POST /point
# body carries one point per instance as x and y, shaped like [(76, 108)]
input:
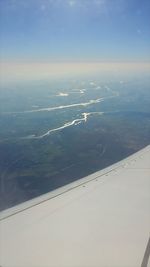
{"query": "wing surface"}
[(102, 220)]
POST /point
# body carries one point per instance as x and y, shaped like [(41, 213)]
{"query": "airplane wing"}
[(102, 220)]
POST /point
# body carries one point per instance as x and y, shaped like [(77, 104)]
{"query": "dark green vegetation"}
[(30, 166)]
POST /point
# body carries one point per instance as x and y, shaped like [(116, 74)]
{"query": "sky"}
[(74, 30)]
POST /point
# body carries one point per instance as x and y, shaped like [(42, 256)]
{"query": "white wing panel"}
[(100, 220)]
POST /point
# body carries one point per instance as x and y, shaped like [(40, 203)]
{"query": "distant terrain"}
[(53, 132)]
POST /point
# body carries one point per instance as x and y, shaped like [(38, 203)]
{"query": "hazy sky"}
[(75, 30)]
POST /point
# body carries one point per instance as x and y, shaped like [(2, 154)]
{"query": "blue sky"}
[(75, 30)]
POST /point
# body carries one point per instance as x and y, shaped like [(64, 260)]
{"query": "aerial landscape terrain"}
[(58, 130)]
